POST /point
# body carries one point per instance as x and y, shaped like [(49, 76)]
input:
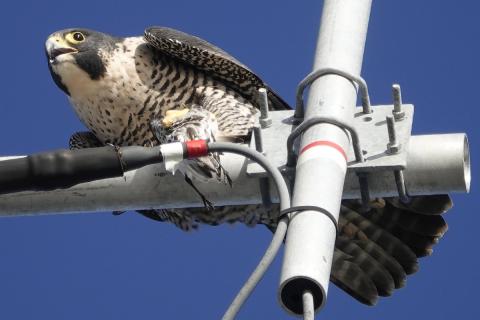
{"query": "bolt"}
[(400, 182), (393, 146), (364, 190), (257, 132), (397, 112), (265, 120)]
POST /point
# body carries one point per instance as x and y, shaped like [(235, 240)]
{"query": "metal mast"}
[(322, 161)]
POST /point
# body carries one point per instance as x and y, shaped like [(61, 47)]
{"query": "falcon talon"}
[(172, 116), (208, 205)]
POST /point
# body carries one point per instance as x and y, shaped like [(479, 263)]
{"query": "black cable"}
[(66, 168)]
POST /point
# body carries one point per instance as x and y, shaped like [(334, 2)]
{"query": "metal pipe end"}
[(467, 174), (291, 294), (438, 164)]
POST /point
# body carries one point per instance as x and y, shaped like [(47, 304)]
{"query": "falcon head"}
[(76, 55)]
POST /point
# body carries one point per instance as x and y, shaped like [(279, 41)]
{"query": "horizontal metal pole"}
[(436, 164)]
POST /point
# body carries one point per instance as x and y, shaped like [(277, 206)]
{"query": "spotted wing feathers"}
[(375, 250), (213, 60)]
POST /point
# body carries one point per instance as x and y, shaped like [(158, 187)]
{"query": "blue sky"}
[(96, 266)]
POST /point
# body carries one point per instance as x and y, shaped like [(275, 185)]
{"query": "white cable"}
[(279, 234), (308, 307)]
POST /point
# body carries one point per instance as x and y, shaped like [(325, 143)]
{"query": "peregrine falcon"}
[(171, 86)]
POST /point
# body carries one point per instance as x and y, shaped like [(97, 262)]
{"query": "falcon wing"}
[(374, 251), (213, 60)]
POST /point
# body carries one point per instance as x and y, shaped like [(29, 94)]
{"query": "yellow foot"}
[(377, 203), (173, 115)]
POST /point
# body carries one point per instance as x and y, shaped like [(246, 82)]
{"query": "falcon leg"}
[(190, 124), (206, 203)]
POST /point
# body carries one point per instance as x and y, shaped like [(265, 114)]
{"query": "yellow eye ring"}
[(75, 37)]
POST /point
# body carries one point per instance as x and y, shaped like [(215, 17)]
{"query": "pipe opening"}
[(292, 292)]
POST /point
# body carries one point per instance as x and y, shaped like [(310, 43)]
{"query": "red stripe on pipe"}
[(325, 143), (196, 148)]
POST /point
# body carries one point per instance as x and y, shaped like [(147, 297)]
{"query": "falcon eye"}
[(75, 37)]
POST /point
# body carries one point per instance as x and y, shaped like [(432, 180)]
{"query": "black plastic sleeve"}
[(59, 169)]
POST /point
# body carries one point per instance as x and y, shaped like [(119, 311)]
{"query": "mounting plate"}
[(371, 128)]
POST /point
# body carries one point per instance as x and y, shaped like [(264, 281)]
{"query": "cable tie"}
[(173, 154), (310, 208), (196, 148)]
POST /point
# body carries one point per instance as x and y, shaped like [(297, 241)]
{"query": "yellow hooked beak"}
[(56, 46)]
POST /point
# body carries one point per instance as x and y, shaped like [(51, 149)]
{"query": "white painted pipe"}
[(321, 168)]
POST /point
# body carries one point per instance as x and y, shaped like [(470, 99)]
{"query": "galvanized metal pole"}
[(436, 164), (322, 163)]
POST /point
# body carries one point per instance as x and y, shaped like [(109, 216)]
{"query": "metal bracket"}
[(308, 80), (384, 151), (371, 130), (299, 113), (291, 159)]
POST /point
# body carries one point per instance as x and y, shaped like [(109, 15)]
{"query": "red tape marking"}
[(197, 148), (325, 143)]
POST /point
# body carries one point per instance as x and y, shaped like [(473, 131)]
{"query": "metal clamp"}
[(316, 120), (362, 84)]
